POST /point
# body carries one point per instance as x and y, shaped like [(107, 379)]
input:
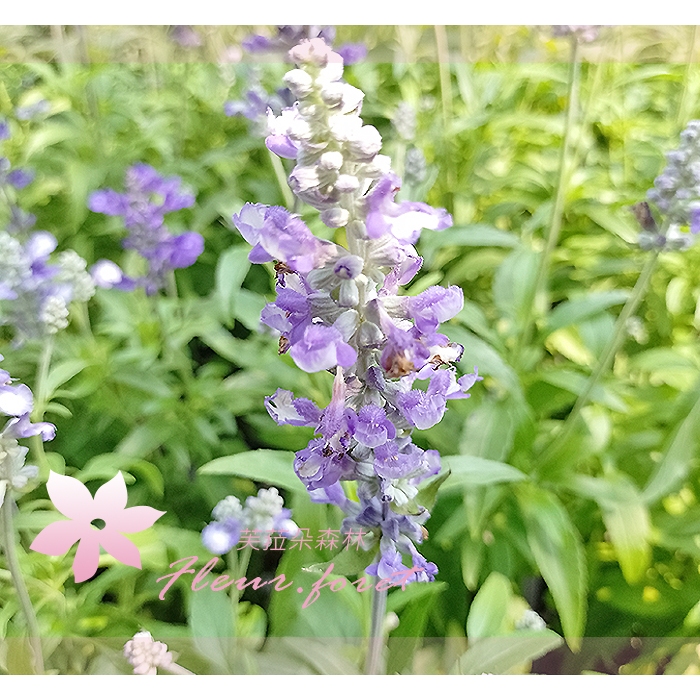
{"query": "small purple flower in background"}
[(676, 194), (584, 33), (262, 515), (17, 402), (34, 110), (185, 36), (338, 309), (148, 198)]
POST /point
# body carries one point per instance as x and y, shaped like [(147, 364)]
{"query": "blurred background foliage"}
[(602, 538)]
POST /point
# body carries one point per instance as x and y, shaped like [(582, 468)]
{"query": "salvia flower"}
[(339, 309), (16, 403), (288, 36), (676, 194), (260, 517), (147, 655), (36, 287), (148, 198)]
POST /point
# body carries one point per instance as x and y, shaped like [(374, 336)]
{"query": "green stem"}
[(683, 104), (606, 357), (281, 175), (558, 211), (375, 665), (238, 567), (446, 99), (41, 400), (25, 601)]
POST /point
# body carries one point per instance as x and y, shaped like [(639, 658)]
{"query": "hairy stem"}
[(281, 175), (42, 399), (375, 662), (607, 356), (9, 545)]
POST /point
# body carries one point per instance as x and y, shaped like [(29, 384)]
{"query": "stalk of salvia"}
[(17, 402), (676, 193), (338, 309)]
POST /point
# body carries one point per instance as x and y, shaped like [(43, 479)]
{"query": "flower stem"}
[(9, 545), (281, 175), (558, 210), (375, 665), (606, 357), (42, 376), (239, 568), (443, 52)]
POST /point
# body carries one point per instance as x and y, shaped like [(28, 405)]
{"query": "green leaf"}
[(626, 518), (211, 622), (61, 373), (107, 465), (575, 310), (267, 466), (556, 546), (499, 655), (427, 494), (489, 430), (347, 562), (468, 472), (513, 284), (488, 611), (231, 270), (472, 557), (677, 458)]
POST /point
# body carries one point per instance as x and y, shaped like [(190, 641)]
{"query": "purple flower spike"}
[(148, 198), (4, 130)]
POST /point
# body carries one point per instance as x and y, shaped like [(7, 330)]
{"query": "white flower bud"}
[(345, 127), (346, 184), (230, 507), (146, 655), (303, 178), (352, 99), (348, 296), (379, 165), (335, 217), (367, 143), (330, 73), (54, 315), (357, 229), (332, 160), (332, 94), (299, 130), (299, 82)]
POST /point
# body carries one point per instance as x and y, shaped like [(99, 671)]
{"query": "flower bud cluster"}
[(148, 197), (263, 514), (338, 309), (35, 291), (147, 655)]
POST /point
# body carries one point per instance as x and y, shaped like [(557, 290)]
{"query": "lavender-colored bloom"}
[(262, 515), (19, 179), (148, 198), (4, 130), (322, 347), (352, 53), (339, 309)]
